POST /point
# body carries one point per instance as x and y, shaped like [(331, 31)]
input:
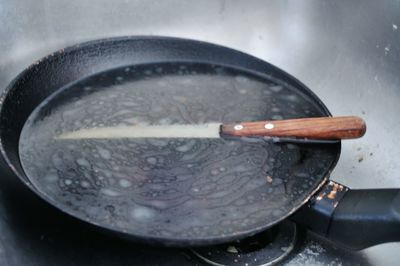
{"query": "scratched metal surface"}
[(347, 52)]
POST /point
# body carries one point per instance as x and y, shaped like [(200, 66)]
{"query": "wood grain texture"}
[(320, 128)]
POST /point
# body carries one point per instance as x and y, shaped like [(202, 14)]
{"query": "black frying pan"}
[(249, 199)]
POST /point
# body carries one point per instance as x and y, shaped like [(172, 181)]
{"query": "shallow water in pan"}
[(180, 187)]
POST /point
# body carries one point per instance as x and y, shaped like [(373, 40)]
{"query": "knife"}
[(316, 128)]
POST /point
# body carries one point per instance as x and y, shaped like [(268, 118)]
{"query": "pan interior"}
[(182, 189)]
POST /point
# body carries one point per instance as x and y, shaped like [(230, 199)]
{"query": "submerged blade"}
[(158, 131)]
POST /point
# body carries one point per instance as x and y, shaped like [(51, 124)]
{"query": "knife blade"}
[(211, 130)]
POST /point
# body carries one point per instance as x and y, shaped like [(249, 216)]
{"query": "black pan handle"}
[(354, 219)]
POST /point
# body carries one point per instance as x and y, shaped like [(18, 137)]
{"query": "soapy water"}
[(176, 187)]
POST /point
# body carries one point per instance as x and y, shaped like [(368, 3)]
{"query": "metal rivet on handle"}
[(238, 127), (269, 126)]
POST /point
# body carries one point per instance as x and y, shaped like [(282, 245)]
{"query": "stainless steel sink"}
[(348, 52)]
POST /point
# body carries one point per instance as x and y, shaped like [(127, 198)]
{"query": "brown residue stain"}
[(321, 196), (335, 189), (360, 158), (269, 179), (332, 194), (338, 187)]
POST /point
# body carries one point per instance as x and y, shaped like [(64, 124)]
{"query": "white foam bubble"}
[(83, 162), (276, 88), (214, 171), (186, 147), (124, 183), (151, 160), (110, 192), (142, 213), (85, 184), (105, 154)]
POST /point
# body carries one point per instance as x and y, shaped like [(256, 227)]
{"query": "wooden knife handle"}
[(319, 128)]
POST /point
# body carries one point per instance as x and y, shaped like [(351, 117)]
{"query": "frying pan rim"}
[(170, 241)]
